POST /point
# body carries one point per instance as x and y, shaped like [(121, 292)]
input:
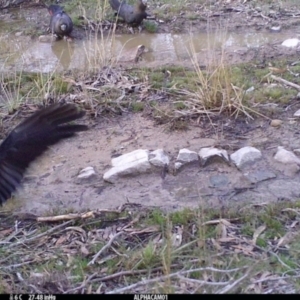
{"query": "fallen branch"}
[(89, 214), (234, 283), (104, 248), (162, 278), (281, 80)]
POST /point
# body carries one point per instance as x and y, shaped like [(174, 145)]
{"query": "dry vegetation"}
[(138, 250)]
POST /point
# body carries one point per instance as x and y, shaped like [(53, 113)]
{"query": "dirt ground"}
[(52, 180)]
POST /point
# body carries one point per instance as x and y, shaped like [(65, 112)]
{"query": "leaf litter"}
[(119, 251)]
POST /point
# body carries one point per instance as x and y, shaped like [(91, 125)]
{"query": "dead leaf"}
[(5, 232), (285, 240), (61, 240), (216, 244), (221, 230), (227, 239), (257, 233), (84, 250), (247, 250)]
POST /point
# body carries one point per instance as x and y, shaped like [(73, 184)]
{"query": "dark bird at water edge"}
[(132, 15), (30, 139), (60, 23)]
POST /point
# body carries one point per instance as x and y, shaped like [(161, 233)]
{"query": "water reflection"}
[(35, 56)]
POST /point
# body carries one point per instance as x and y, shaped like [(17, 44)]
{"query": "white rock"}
[(286, 157), (132, 163), (245, 155), (291, 43), (297, 113), (134, 156), (276, 28), (86, 172), (206, 153), (178, 165), (186, 156), (159, 158)]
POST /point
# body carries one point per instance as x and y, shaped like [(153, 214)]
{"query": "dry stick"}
[(275, 278), (294, 85), (125, 273), (232, 285), (104, 248), (82, 285), (137, 272), (66, 217), (89, 214), (201, 282), (18, 265), (161, 278), (39, 235)]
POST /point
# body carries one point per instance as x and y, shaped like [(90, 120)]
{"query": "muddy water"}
[(22, 53)]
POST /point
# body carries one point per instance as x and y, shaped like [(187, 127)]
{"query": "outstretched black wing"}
[(30, 139)]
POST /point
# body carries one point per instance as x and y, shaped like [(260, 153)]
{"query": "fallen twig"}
[(281, 80), (162, 278), (234, 283), (89, 214), (24, 241), (104, 248)]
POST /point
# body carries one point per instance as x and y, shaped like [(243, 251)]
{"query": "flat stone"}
[(286, 157), (131, 157), (218, 180), (133, 163), (258, 176), (159, 158), (245, 155), (86, 172)]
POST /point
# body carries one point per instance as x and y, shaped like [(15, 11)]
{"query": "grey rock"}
[(186, 156), (159, 158), (245, 155), (211, 154), (286, 157), (178, 165)]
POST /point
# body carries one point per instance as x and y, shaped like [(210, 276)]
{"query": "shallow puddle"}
[(22, 53)]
